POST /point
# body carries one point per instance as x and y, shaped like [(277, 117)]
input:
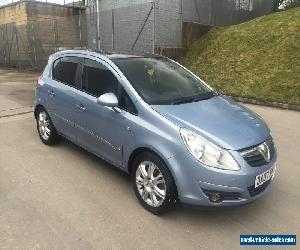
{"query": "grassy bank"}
[(258, 59)]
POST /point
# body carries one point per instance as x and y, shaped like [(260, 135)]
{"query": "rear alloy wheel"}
[(45, 128), (153, 183)]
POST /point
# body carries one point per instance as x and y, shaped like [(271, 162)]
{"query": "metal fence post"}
[(55, 35), (197, 10), (181, 21), (98, 24), (17, 46), (80, 31), (34, 44), (154, 26), (8, 44), (113, 29), (4, 47), (143, 26)]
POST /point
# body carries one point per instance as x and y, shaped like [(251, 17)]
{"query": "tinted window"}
[(125, 102), (97, 79), (161, 81), (64, 70)]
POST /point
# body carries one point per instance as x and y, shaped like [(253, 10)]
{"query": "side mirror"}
[(108, 100)]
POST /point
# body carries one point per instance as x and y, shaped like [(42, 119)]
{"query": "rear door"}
[(61, 95)]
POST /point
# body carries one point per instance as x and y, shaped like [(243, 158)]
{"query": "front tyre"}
[(153, 183), (46, 130)]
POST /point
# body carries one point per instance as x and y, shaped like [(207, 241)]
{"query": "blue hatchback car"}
[(177, 138)]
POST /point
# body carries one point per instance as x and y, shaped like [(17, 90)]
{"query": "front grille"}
[(256, 160), (255, 191), (254, 157)]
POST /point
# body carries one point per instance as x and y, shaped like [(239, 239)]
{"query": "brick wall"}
[(16, 12), (30, 31)]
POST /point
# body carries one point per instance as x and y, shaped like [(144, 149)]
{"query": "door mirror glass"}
[(108, 100)]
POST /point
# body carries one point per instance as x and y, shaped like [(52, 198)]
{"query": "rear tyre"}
[(153, 183), (45, 127)]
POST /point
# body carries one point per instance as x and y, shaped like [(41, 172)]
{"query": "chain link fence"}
[(224, 12), (60, 2), (128, 28), (30, 44)]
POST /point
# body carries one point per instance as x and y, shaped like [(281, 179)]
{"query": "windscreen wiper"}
[(194, 98)]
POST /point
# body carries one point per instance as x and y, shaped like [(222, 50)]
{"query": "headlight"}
[(208, 153)]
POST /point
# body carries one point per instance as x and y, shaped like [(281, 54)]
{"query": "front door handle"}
[(81, 107), (51, 93)]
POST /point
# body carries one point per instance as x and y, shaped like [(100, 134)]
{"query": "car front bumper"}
[(196, 182)]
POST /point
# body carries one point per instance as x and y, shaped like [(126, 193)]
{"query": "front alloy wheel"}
[(153, 183), (150, 183)]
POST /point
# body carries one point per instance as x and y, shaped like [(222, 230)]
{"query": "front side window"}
[(160, 81), (98, 79), (64, 70)]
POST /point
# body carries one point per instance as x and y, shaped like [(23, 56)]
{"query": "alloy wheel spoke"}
[(144, 194), (158, 177), (158, 192), (47, 131), (159, 181), (139, 181), (143, 171), (151, 169), (153, 198)]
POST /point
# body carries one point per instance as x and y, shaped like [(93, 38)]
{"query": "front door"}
[(99, 129)]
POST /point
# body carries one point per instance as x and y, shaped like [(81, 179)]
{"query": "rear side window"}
[(64, 70), (97, 79)]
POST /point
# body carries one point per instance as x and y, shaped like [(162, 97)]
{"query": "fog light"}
[(215, 198)]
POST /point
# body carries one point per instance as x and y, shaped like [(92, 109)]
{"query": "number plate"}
[(265, 176)]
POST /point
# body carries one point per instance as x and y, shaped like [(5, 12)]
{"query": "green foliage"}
[(258, 59)]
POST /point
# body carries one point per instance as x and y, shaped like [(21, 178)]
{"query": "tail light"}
[(40, 80)]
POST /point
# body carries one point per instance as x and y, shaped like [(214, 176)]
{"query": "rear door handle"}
[(51, 93), (81, 107)]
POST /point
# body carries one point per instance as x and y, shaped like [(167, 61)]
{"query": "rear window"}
[(64, 70)]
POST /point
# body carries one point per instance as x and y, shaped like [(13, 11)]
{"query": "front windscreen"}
[(160, 81)]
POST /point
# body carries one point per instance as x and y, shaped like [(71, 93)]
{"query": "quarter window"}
[(64, 70), (125, 102)]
